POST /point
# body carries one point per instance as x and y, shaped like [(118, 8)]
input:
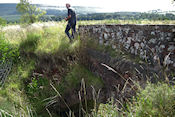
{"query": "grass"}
[(30, 44), (23, 89), (24, 92), (16, 95), (106, 110), (8, 51), (156, 100), (141, 22), (74, 77), (12, 96)]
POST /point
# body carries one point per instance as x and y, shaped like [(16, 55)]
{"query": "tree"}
[(30, 13)]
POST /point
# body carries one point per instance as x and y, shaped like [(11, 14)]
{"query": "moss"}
[(73, 79)]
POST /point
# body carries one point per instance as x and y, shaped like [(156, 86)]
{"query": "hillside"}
[(52, 77), (9, 12), (10, 9), (57, 13)]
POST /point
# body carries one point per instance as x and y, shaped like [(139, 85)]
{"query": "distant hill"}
[(8, 9), (9, 12), (57, 13)]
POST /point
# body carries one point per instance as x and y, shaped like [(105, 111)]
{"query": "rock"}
[(105, 36), (136, 45)]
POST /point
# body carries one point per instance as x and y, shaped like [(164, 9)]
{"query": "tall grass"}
[(113, 21), (110, 109), (30, 44), (24, 92), (7, 51), (74, 77), (34, 43), (156, 100)]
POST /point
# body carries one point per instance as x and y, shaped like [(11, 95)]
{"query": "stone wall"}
[(146, 41)]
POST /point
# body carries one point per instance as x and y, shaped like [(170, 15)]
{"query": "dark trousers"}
[(68, 27)]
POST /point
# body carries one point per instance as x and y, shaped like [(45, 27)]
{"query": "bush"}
[(7, 51), (3, 22), (154, 101), (107, 110)]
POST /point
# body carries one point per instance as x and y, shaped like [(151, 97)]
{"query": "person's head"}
[(67, 5)]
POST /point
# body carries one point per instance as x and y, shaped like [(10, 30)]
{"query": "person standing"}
[(71, 18)]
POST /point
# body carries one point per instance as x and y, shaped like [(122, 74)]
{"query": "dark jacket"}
[(73, 19)]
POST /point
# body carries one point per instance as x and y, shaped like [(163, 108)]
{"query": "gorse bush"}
[(3, 22), (107, 110), (7, 51), (156, 100), (36, 85)]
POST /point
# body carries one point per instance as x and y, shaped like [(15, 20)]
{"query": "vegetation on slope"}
[(42, 55), (46, 56), (156, 100), (3, 22)]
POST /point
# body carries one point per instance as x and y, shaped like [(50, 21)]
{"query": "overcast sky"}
[(110, 5)]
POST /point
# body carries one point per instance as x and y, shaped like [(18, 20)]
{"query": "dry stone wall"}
[(146, 41)]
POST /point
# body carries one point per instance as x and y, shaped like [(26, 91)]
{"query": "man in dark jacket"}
[(71, 18)]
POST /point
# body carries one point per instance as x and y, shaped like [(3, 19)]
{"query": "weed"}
[(156, 100)]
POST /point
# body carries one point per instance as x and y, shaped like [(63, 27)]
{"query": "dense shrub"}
[(3, 22), (154, 101), (7, 51)]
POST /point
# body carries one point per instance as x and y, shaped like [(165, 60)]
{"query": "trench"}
[(70, 82), (78, 80)]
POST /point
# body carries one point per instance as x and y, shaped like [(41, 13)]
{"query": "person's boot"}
[(70, 40), (72, 36), (75, 35), (68, 35)]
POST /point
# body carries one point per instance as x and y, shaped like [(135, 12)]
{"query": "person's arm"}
[(67, 18), (69, 15)]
